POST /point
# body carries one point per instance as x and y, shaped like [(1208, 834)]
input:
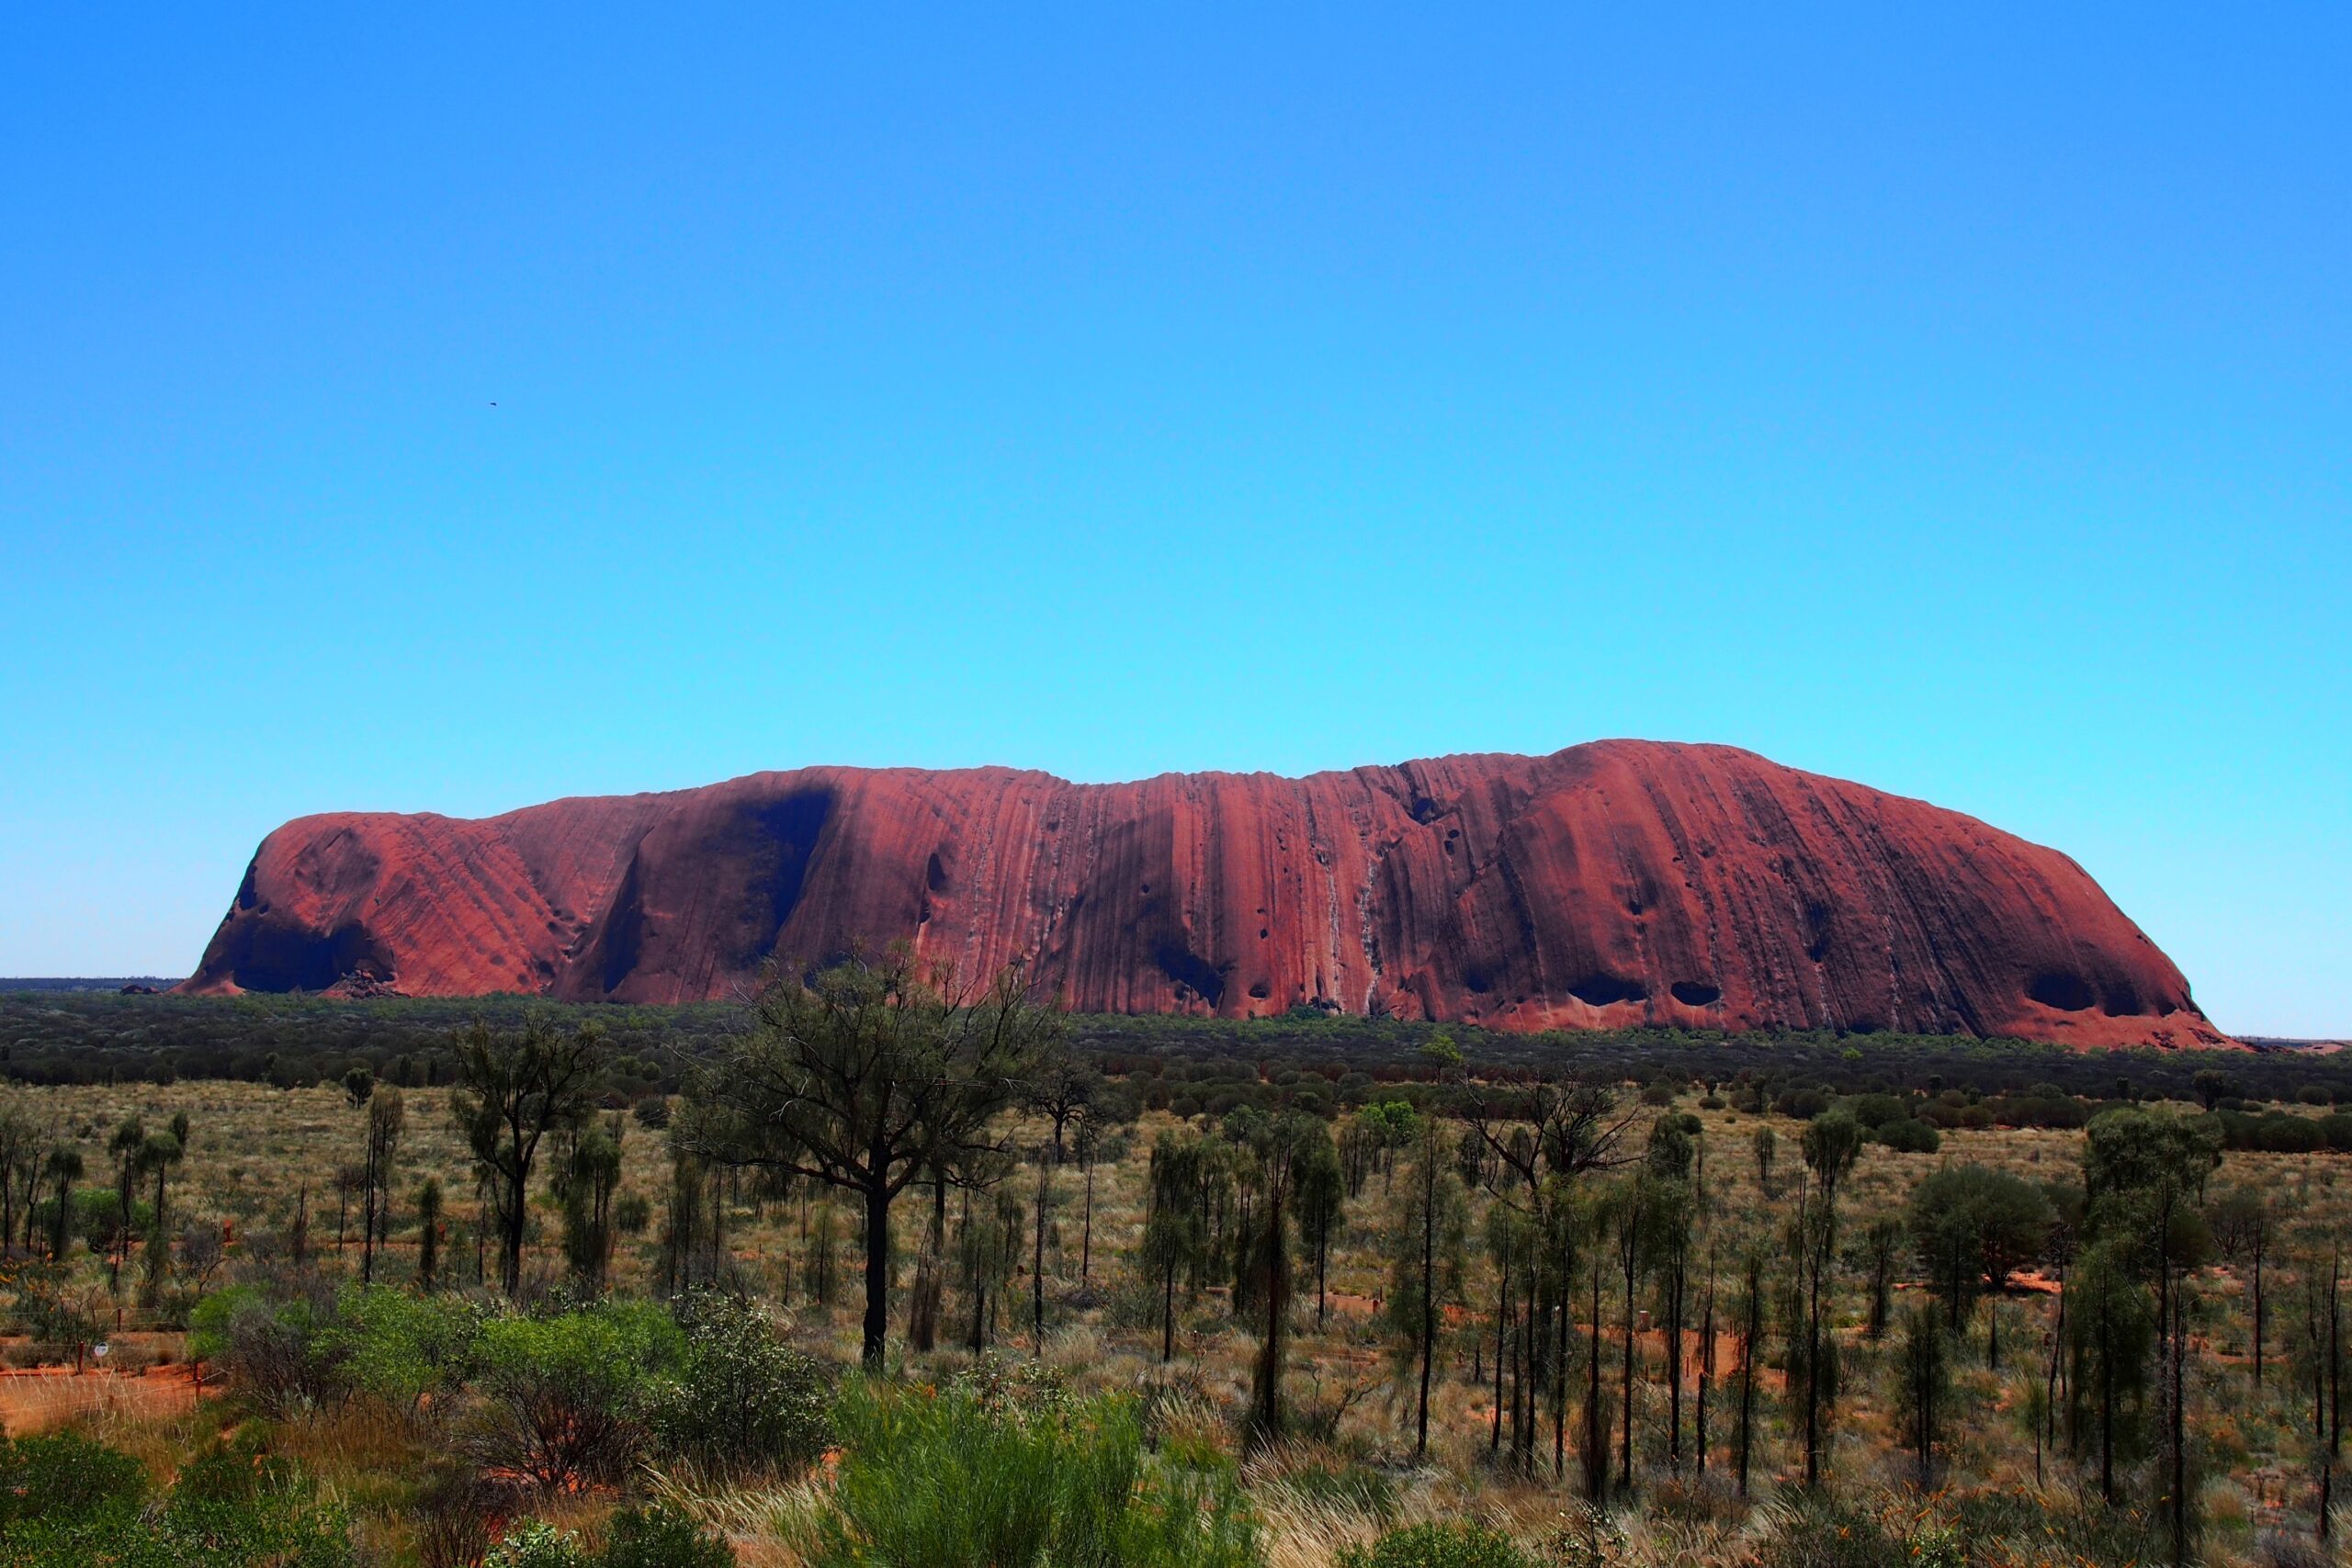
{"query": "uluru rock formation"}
[(1621, 883)]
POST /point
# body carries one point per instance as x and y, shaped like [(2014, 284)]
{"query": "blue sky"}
[(1960, 402)]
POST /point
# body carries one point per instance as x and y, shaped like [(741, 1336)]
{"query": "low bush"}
[(1439, 1544), (66, 1502), (742, 1399), (402, 1348), (659, 1537), (63, 1477), (535, 1543), (1875, 1111), (1910, 1135), (942, 1481), (277, 1352), (2276, 1131), (662, 1537), (563, 1401)]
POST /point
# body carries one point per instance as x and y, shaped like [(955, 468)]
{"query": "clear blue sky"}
[(1958, 401)]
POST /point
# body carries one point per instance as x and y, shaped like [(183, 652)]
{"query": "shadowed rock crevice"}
[(2068, 993)]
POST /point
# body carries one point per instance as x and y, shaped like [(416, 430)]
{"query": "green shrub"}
[(277, 1353), (535, 1543), (1910, 1135), (741, 1398), (2285, 1134), (562, 1400), (64, 1477), (1874, 1110), (402, 1348), (66, 1502), (942, 1481), (1438, 1544), (662, 1537)]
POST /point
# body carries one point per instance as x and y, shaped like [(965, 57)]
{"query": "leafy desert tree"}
[(1425, 1258), (129, 1138), (1628, 1209), (1972, 1227), (2323, 1356), (1673, 1227), (428, 1233), (1882, 1246), (1175, 1230), (987, 1250), (1747, 1311), (157, 1156), (1087, 1144), (1040, 1223), (515, 1087), (591, 1175), (1766, 1144), (1277, 1149), (1063, 1089), (387, 1121), (62, 1169), (865, 1077), (2241, 1226), (1923, 1384), (2144, 1171), (1565, 1126), (1832, 1144), (1321, 1209), (358, 1083), (22, 1139), (1511, 1239), (2110, 1334)]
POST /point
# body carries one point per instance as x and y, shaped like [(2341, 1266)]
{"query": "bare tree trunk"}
[(1674, 1365), (876, 1327), (1086, 1246), (1625, 1438), (1038, 1260), (1429, 1301), (1706, 1369), (1748, 1379), (2179, 1437), (1596, 1432), (2258, 1302), (1502, 1311)]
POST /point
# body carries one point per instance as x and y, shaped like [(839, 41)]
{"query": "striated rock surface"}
[(1614, 883)]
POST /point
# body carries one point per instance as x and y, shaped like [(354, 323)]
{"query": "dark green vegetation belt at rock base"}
[(50, 1037)]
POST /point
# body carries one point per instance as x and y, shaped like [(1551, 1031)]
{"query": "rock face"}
[(1616, 883)]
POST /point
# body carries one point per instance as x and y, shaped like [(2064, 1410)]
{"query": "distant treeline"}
[(1315, 1060)]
